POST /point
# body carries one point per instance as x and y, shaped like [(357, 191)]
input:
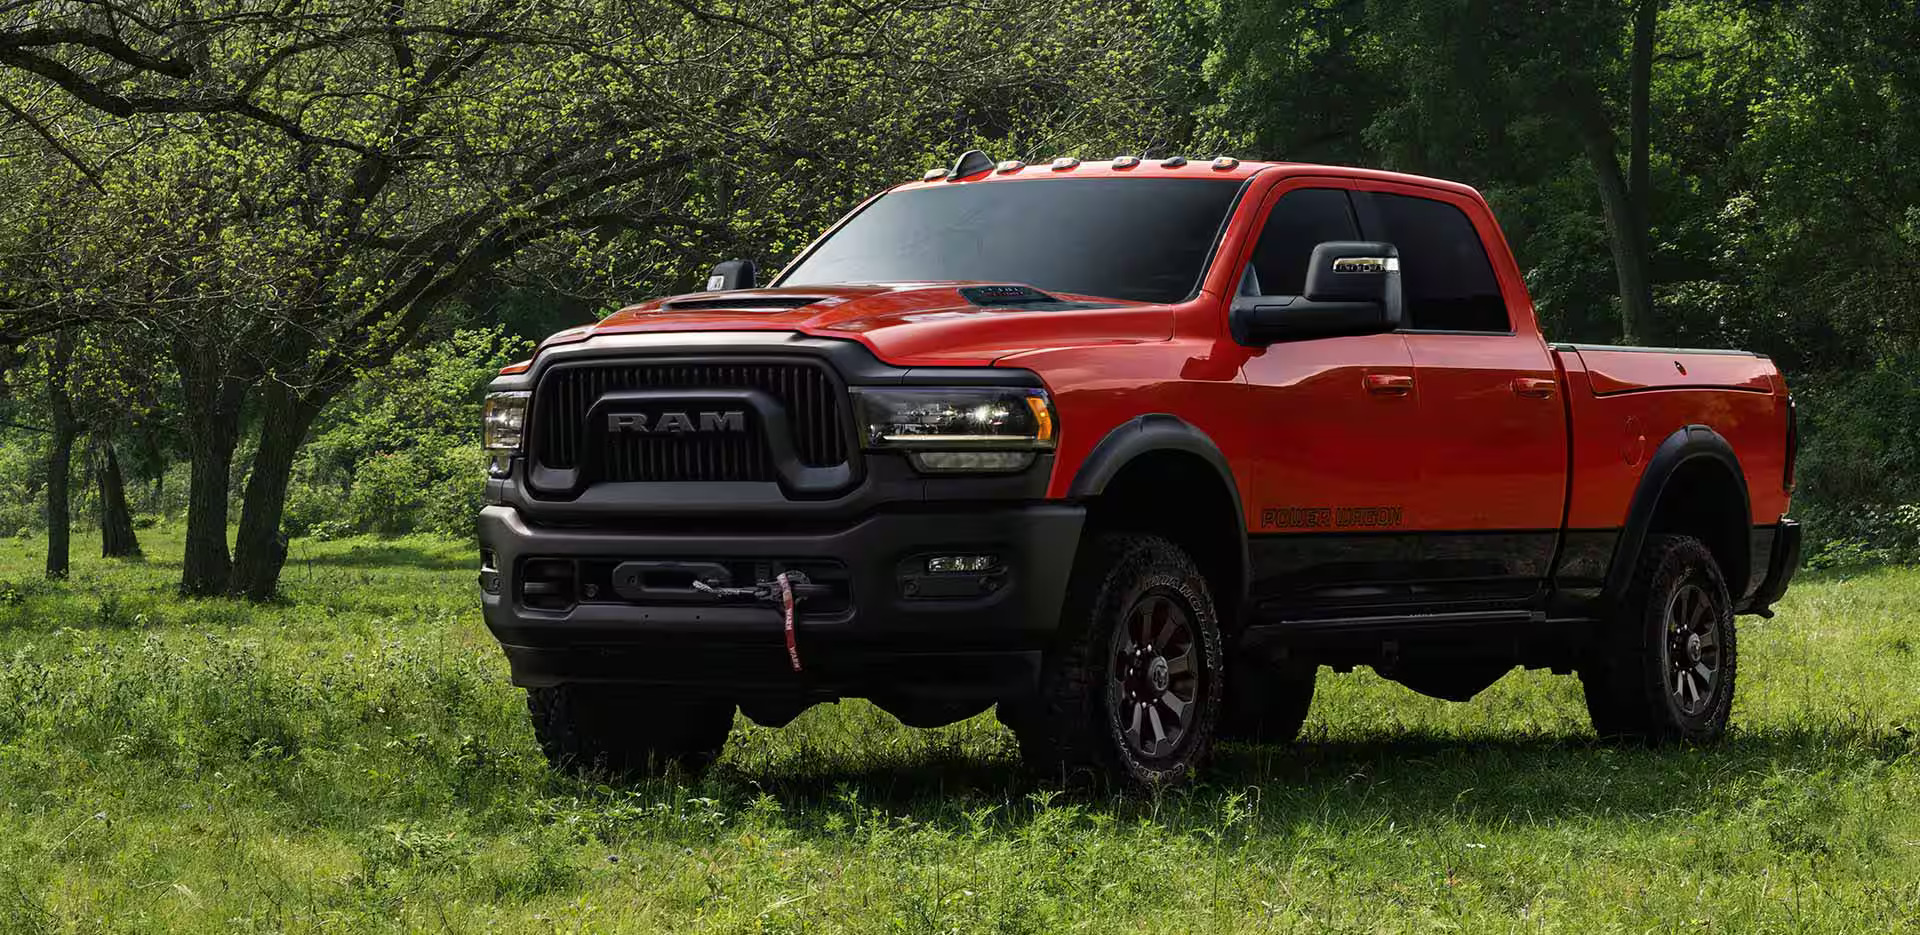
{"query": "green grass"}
[(353, 760)]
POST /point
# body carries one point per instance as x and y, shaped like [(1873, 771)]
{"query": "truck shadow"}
[(1404, 779)]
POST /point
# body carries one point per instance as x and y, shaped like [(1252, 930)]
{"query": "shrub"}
[(401, 453), (1859, 470)]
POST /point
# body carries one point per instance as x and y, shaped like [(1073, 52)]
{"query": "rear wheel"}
[(625, 732), (1133, 685), (1665, 670)]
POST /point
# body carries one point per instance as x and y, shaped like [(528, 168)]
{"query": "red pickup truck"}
[(1129, 449)]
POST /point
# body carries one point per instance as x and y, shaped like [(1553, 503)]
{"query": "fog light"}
[(945, 564), (982, 461)]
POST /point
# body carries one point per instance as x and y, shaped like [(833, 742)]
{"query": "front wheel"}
[(1133, 685), (1664, 671)]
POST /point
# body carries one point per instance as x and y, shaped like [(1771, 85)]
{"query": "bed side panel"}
[(1616, 432)]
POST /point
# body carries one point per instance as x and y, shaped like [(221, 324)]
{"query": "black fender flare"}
[(1154, 432), (1686, 444)]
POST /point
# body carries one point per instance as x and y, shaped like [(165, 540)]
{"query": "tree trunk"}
[(117, 538), (1623, 209), (261, 549), (1646, 18), (59, 458), (1626, 239), (213, 398)]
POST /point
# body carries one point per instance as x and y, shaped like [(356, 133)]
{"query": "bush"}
[(1869, 536), (401, 453), (1859, 471), (23, 471)]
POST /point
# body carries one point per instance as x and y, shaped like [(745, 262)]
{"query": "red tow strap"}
[(786, 609)]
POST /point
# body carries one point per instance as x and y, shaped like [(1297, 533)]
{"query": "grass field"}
[(354, 761)]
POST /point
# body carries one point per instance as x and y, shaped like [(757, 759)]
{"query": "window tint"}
[(1443, 266), (1301, 220), (1145, 239)]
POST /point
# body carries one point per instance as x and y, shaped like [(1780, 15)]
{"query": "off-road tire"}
[(1267, 702), (1631, 679), (623, 733), (1074, 730)]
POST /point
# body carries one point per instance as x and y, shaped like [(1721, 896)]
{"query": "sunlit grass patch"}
[(354, 759)]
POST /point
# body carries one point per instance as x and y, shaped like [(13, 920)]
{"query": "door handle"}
[(1533, 387), (1390, 384)]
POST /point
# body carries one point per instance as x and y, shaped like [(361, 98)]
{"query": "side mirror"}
[(1353, 287), (731, 275)]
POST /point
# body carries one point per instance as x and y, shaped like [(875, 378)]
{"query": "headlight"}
[(959, 429), (503, 419)]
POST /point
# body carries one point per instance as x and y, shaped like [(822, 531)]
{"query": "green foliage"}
[(1859, 469), (401, 452), (23, 470), (275, 215)]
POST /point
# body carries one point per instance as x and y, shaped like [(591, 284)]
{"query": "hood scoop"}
[(741, 303), (1022, 297)]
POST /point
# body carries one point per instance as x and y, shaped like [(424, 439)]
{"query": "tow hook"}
[(786, 590)]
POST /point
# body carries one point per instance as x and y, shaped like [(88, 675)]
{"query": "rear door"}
[(1492, 430)]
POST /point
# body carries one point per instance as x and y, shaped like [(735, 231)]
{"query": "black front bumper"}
[(888, 627)]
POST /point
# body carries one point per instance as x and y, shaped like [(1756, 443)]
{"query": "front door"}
[(1334, 471)]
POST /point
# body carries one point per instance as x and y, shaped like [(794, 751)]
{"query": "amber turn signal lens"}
[(1042, 410)]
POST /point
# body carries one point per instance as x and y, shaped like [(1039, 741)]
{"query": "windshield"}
[(1140, 239)]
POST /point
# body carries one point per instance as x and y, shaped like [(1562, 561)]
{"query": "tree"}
[(312, 181), (117, 536), (1503, 91), (59, 369)]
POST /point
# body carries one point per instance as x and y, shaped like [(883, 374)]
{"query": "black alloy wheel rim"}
[(1156, 681), (1691, 650)]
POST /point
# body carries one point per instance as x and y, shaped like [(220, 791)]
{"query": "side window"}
[(1444, 269), (1301, 220)]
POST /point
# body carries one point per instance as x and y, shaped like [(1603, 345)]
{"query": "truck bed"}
[(1624, 403)]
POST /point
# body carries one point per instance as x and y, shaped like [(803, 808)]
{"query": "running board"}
[(1529, 638), (1403, 622)]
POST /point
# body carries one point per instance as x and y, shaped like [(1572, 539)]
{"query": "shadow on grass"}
[(1407, 778), (382, 557)]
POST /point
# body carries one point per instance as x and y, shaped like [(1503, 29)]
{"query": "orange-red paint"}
[(1484, 438)]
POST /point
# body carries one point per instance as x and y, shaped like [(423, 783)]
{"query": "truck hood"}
[(905, 324)]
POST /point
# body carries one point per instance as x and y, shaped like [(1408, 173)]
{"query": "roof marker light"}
[(1225, 162), (932, 174), (1173, 162), (1010, 165), (1125, 162), (1065, 162)]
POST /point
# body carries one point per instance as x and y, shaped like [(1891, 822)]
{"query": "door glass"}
[(1301, 220), (1443, 265)]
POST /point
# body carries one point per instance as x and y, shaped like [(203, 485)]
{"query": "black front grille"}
[(816, 417)]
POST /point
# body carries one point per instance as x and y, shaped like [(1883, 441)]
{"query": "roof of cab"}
[(1170, 167)]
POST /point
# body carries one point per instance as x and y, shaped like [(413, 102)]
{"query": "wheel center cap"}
[(1693, 647), (1157, 674)]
